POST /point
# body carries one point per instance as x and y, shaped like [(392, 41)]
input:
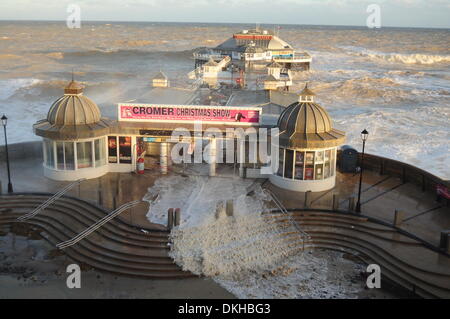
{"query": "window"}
[(332, 161), (281, 162), (84, 154), (299, 164), (288, 167), (327, 167), (100, 156), (60, 155), (49, 153), (125, 149), (309, 166)]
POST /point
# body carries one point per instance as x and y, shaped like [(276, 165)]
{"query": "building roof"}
[(160, 76), (278, 44), (270, 78), (73, 108), (254, 49), (211, 62), (307, 92), (73, 88), (72, 116), (308, 125), (274, 64)]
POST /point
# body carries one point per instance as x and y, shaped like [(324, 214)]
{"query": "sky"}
[(399, 13)]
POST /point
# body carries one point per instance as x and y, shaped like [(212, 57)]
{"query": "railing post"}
[(229, 207), (177, 217), (170, 218)]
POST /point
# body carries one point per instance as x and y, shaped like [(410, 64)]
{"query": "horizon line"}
[(203, 22)]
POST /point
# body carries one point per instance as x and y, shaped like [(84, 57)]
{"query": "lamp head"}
[(364, 135), (4, 120)]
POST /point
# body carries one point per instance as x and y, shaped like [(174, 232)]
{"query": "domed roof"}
[(73, 108), (307, 125)]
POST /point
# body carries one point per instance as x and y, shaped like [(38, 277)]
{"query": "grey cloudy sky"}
[(405, 13)]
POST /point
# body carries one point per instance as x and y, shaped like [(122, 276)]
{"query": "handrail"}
[(96, 225), (50, 201), (281, 207)]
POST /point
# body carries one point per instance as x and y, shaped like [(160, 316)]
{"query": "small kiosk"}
[(308, 145), (74, 137)]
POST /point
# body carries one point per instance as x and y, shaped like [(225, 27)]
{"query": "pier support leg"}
[(164, 158), (241, 157), (230, 207), (170, 219), (220, 210), (212, 157), (177, 218)]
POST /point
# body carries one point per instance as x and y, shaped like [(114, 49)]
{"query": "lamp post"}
[(364, 136), (4, 122)]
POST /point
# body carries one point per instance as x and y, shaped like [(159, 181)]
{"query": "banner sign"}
[(189, 113)]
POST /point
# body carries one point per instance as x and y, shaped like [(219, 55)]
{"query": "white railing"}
[(50, 201), (97, 225)]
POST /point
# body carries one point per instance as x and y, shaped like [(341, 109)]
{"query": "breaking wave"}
[(413, 58)]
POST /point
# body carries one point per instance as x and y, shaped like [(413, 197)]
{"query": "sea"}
[(394, 82)]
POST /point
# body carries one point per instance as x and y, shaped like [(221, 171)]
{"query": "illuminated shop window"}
[(309, 166), (299, 165)]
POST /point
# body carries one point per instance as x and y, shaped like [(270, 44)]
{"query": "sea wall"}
[(408, 173), (22, 151)]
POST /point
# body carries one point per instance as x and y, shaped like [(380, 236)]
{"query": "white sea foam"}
[(409, 58), (247, 253)]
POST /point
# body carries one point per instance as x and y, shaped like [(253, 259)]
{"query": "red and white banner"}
[(189, 114)]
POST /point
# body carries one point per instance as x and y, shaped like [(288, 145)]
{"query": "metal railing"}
[(305, 236), (50, 201), (97, 225)]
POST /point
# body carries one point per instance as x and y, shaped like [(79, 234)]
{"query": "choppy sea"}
[(393, 81)]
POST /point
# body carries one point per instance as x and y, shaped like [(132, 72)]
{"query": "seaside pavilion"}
[(308, 147)]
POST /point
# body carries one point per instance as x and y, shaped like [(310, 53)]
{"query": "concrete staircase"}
[(116, 247), (403, 260)]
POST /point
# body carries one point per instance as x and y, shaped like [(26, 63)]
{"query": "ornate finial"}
[(73, 87), (306, 95)]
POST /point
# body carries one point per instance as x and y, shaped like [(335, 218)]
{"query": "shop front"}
[(79, 143)]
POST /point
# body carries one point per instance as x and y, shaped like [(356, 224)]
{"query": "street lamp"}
[(364, 136), (4, 122)]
